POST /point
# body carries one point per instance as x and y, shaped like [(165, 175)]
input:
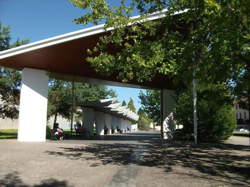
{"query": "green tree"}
[(216, 113), (59, 99), (143, 121), (207, 40), (131, 105), (10, 80), (91, 92), (64, 97), (124, 103), (150, 104), (208, 36)]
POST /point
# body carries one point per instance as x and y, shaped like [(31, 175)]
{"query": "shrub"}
[(216, 116), (48, 132), (143, 122)]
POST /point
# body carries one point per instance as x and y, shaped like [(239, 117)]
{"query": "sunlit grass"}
[(8, 133)]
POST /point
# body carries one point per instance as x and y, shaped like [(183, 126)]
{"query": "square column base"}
[(33, 106)]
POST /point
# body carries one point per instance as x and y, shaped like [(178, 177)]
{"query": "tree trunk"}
[(55, 118), (195, 108), (161, 113), (72, 107), (248, 96)]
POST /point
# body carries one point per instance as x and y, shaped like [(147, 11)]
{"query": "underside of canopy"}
[(64, 57)]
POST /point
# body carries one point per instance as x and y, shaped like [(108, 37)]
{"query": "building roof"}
[(64, 57), (113, 107)]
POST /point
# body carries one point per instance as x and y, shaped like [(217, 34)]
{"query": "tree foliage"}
[(206, 40), (131, 105), (205, 35), (216, 114), (91, 92), (10, 80), (150, 104), (59, 99), (64, 97), (143, 121), (124, 103)]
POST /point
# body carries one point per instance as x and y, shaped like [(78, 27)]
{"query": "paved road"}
[(128, 160), (110, 161), (238, 140), (140, 137)]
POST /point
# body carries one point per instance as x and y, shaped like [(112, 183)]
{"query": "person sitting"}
[(58, 132)]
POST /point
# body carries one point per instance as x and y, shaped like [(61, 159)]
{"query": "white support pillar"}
[(126, 125), (168, 105), (33, 106), (100, 118), (122, 125), (108, 123), (129, 125), (113, 124), (118, 123), (89, 119)]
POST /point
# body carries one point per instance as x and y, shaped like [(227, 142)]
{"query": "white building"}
[(107, 116), (242, 115)]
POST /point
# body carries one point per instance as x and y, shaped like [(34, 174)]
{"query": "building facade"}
[(242, 115)]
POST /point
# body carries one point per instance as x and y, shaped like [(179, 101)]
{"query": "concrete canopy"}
[(64, 57), (113, 107)]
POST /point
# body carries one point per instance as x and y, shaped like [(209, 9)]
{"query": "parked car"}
[(244, 130)]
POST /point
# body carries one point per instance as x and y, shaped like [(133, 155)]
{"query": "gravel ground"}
[(138, 159)]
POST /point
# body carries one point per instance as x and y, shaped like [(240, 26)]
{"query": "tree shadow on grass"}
[(14, 180), (8, 135), (226, 163)]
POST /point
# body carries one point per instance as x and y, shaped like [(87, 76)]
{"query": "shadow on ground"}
[(142, 137), (225, 163), (14, 180)]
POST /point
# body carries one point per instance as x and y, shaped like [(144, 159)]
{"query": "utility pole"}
[(72, 108), (162, 134), (195, 107)]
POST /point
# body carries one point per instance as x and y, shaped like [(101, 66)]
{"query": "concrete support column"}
[(129, 125), (33, 106), (113, 124), (167, 108), (100, 119), (108, 123), (118, 123), (126, 125), (89, 119), (122, 125)]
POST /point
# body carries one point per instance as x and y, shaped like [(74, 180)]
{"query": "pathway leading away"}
[(135, 159)]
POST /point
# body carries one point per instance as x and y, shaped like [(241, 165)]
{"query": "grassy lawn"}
[(8, 133), (12, 133)]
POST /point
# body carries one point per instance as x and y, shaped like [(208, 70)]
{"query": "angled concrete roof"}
[(64, 57), (113, 107)]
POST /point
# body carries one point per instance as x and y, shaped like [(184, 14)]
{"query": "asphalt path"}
[(134, 159)]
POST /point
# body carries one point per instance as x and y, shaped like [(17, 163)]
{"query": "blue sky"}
[(39, 19)]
